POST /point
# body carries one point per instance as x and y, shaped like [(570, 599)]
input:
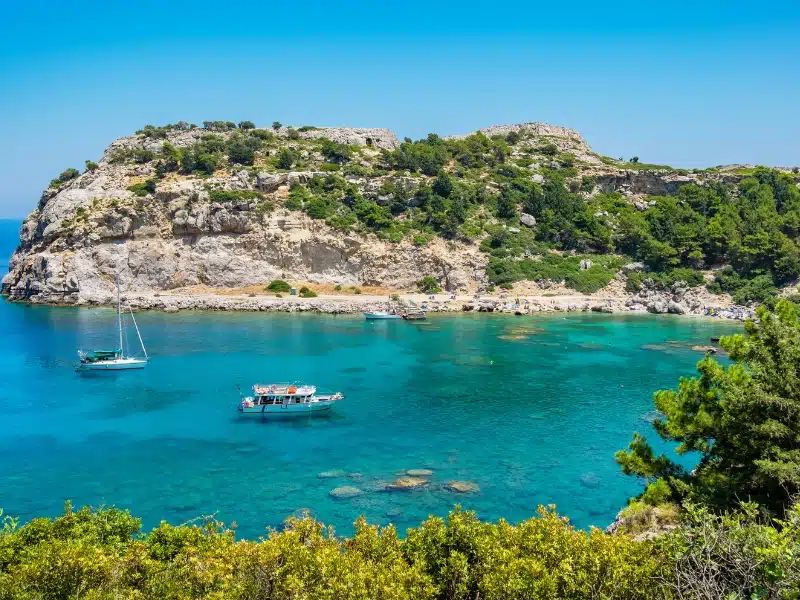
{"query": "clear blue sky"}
[(683, 83)]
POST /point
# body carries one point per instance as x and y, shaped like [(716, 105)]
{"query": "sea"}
[(528, 409)]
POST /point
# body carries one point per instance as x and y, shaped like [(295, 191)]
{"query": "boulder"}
[(537, 178), (419, 472), (527, 220), (586, 264), (344, 492), (657, 306), (676, 308), (407, 483), (462, 487), (333, 474), (634, 267)]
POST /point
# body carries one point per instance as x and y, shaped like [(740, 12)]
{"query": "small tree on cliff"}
[(744, 421), (285, 158)]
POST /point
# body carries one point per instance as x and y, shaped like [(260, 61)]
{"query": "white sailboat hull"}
[(119, 364)]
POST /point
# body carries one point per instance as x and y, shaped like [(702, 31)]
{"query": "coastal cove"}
[(529, 409)]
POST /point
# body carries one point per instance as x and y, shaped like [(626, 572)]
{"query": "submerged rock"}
[(590, 480), (334, 474), (705, 349), (345, 491), (419, 472), (462, 487), (406, 483)]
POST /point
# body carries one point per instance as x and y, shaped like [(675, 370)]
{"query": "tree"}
[(64, 177), (743, 421), (285, 158), (242, 150), (91, 165), (334, 152), (443, 185), (276, 125), (634, 159), (429, 285), (247, 125)]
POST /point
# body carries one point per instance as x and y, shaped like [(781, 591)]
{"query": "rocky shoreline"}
[(680, 303)]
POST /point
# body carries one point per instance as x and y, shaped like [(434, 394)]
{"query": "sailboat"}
[(114, 360)]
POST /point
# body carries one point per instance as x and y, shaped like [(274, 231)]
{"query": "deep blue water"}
[(532, 415)]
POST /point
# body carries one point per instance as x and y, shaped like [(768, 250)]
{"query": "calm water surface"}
[(531, 409)]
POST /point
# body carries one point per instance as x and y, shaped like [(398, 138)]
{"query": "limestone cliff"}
[(182, 231)]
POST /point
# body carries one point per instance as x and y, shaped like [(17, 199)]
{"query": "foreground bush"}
[(99, 554)]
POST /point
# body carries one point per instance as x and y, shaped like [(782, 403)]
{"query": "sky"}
[(691, 84)]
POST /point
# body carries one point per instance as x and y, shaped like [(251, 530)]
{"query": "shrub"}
[(428, 285), (507, 286), (246, 125), (64, 177), (91, 165), (356, 290), (292, 133), (285, 159), (422, 239), (276, 125), (335, 152), (279, 285), (225, 196), (548, 149), (329, 167), (337, 288), (144, 188), (142, 156), (306, 292)]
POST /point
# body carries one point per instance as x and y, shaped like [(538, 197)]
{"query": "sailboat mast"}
[(119, 316)]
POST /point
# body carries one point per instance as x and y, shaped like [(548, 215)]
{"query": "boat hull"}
[(380, 317), (124, 364), (287, 410)]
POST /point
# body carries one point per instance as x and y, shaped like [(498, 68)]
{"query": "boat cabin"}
[(282, 394)]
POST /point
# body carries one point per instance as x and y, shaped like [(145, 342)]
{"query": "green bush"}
[(144, 188), (64, 177), (422, 239), (556, 268), (286, 159), (226, 196), (91, 165), (429, 285), (279, 285), (306, 292), (246, 125)]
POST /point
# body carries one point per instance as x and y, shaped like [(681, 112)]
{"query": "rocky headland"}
[(185, 235)]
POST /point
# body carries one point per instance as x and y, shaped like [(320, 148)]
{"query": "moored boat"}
[(114, 360), (287, 400), (415, 315), (381, 315)]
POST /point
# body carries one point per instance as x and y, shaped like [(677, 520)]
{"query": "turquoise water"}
[(533, 415)]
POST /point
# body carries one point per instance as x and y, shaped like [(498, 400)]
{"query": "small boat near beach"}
[(381, 315), (287, 400), (415, 315), (114, 360)]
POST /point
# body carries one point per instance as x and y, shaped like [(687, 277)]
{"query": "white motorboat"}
[(287, 400), (114, 360), (381, 315)]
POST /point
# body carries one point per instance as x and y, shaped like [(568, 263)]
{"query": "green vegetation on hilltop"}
[(490, 190)]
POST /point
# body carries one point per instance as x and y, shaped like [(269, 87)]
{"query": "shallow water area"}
[(525, 421)]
